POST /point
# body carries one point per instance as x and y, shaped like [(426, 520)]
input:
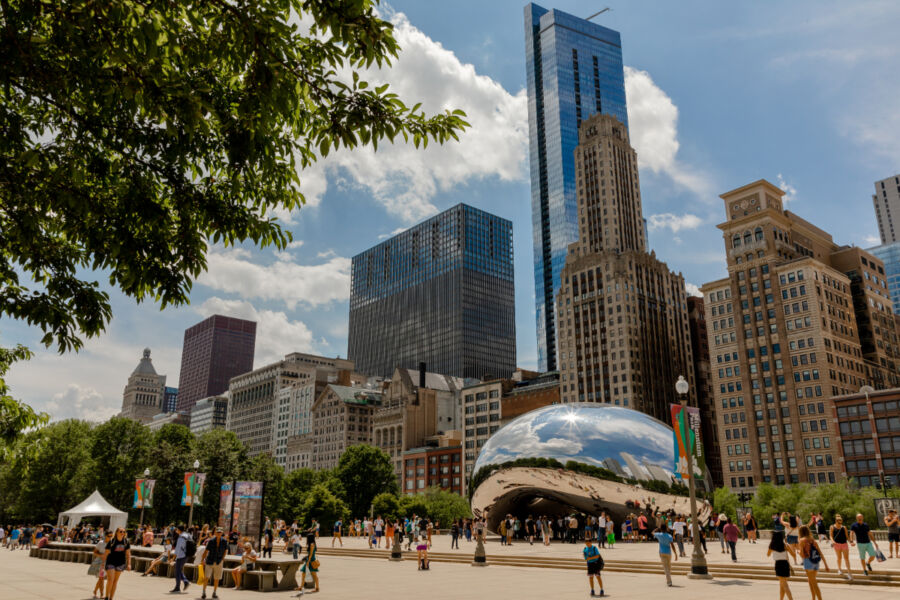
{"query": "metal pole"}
[(142, 515), (191, 513), (699, 569)]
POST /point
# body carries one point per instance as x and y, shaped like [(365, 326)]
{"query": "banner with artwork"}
[(248, 496), (226, 503), (686, 438), (192, 492), (143, 493)]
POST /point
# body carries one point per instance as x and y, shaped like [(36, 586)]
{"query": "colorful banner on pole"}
[(686, 437), (226, 503), (143, 493), (192, 492), (248, 507)]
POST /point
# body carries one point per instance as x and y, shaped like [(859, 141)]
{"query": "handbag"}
[(201, 574), (94, 569), (315, 564), (879, 556)]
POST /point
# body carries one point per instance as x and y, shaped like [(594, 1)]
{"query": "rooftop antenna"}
[(598, 13)]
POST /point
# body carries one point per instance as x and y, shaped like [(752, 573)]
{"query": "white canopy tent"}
[(94, 505)]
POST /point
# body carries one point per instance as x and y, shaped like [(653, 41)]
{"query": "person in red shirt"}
[(731, 533)]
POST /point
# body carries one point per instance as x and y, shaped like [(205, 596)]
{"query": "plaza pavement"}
[(25, 578)]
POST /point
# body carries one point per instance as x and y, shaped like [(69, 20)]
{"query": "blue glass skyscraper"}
[(574, 69)]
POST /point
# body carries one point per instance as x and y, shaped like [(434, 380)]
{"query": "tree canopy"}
[(365, 472)]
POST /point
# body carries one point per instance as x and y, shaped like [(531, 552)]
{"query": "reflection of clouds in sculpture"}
[(586, 433)]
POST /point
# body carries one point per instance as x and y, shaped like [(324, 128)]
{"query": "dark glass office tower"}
[(215, 350), (574, 69), (441, 293)]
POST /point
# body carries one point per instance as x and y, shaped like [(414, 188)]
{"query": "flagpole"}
[(699, 569), (143, 498)]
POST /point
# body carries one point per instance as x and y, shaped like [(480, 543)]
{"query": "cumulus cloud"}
[(790, 192), (692, 289), (871, 240), (385, 236), (276, 334), (674, 222), (78, 402), (405, 179), (653, 128), (233, 271)]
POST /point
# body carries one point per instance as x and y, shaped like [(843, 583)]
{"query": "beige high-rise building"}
[(341, 417), (143, 396), (886, 201), (798, 320), (623, 334)]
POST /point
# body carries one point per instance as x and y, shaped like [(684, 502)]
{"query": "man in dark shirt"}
[(233, 538), (213, 559), (860, 532)]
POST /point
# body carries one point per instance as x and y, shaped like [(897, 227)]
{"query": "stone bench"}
[(140, 564), (265, 580)]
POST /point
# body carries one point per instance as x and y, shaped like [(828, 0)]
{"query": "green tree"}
[(57, 469), (121, 449), (222, 456), (174, 452), (135, 133), (387, 505), (15, 416), (413, 505), (365, 472), (325, 507), (445, 507), (725, 501)]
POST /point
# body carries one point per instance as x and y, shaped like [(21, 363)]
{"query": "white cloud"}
[(385, 236), (692, 289), (653, 129), (405, 179), (674, 222), (871, 240), (295, 244), (78, 402), (790, 192), (276, 334), (233, 271)]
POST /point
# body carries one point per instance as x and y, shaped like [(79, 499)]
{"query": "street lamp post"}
[(699, 569), (191, 512), (144, 500)]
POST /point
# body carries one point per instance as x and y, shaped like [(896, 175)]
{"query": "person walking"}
[(666, 549), (750, 526), (840, 537), (779, 553), (248, 560), (812, 557), (118, 559), (182, 543), (678, 529), (545, 530), (791, 525), (454, 535), (594, 565), (720, 527), (295, 543), (98, 566), (892, 522), (213, 559), (336, 533), (731, 533), (865, 544), (267, 544)]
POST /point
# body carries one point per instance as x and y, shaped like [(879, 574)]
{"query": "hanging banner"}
[(143, 493), (248, 507), (226, 502), (192, 492), (686, 438)]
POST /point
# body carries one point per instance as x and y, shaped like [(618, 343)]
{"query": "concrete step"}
[(751, 572)]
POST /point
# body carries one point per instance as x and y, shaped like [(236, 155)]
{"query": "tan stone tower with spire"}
[(624, 334)]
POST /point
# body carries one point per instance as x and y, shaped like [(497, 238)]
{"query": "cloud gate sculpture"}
[(584, 458)]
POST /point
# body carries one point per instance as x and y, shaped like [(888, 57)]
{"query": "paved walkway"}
[(24, 578)]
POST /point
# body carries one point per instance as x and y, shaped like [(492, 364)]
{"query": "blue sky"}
[(720, 94)]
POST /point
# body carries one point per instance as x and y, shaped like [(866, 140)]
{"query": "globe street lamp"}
[(191, 511), (699, 569), (143, 497)]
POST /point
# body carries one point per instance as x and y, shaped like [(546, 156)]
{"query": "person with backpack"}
[(594, 564), (812, 557), (185, 549)]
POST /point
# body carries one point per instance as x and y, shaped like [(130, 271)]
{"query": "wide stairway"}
[(882, 577)]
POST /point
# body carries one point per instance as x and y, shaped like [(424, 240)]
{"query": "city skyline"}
[(299, 297)]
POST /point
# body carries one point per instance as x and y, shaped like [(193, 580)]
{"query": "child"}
[(610, 532), (422, 551), (594, 565)]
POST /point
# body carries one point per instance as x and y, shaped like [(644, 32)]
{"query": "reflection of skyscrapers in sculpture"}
[(573, 70), (623, 325)]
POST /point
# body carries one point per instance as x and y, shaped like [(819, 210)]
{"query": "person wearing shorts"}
[(118, 559), (214, 560), (248, 559), (859, 532), (892, 522), (594, 565), (336, 533)]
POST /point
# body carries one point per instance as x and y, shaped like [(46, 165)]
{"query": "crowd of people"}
[(795, 542)]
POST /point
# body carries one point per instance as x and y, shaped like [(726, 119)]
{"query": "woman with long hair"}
[(310, 563), (779, 552), (791, 538), (840, 539), (118, 559), (812, 556)]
